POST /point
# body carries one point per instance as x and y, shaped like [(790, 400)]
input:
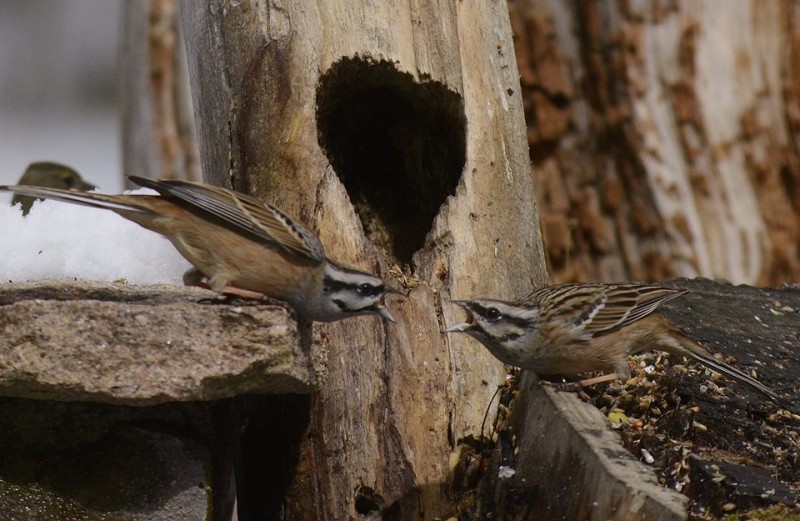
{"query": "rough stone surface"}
[(122, 344)]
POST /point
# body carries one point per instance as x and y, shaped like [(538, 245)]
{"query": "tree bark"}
[(158, 132), (662, 136), (395, 130)]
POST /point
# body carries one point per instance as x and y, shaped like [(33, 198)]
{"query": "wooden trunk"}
[(663, 136), (158, 134), (395, 130)]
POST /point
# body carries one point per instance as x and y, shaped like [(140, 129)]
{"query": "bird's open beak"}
[(463, 326), (382, 311)]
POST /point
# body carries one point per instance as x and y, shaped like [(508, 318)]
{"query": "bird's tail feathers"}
[(731, 372), (109, 202)]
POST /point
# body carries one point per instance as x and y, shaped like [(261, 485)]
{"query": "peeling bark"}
[(662, 135), (158, 131)]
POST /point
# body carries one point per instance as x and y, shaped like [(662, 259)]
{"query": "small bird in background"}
[(569, 329), (51, 175), (241, 246)]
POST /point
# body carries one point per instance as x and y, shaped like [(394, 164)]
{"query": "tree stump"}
[(395, 130)]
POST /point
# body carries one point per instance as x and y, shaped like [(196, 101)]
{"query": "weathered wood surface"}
[(572, 466), (158, 134), (758, 329), (395, 130), (663, 137), (144, 345)]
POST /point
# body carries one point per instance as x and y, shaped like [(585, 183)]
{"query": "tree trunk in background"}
[(395, 130), (158, 132), (663, 136)]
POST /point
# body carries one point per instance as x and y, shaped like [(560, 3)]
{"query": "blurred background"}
[(58, 96), (662, 136)]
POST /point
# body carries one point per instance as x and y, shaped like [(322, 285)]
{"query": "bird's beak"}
[(391, 291), (463, 326), (383, 312), (87, 187)]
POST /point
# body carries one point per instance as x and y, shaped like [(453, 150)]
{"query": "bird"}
[(569, 329), (52, 175), (239, 245)]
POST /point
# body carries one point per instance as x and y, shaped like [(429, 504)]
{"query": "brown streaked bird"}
[(51, 175), (569, 329), (241, 246)]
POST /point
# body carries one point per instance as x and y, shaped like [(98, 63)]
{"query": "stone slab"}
[(144, 345)]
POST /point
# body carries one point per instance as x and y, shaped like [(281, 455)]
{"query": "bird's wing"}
[(242, 214), (598, 309)]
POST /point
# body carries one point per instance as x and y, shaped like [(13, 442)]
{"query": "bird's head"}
[(349, 293), (504, 328)]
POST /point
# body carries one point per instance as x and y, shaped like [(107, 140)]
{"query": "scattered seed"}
[(648, 458), (505, 472)]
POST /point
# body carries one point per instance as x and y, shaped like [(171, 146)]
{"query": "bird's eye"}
[(364, 289), (493, 314), (69, 182)]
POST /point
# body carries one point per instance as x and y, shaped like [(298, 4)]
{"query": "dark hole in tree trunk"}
[(398, 145)]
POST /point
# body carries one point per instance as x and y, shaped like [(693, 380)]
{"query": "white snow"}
[(66, 241)]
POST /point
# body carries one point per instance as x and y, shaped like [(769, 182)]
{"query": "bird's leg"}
[(220, 285), (568, 387), (622, 371), (233, 291), (577, 387), (194, 277), (228, 294), (599, 379), (562, 386)]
